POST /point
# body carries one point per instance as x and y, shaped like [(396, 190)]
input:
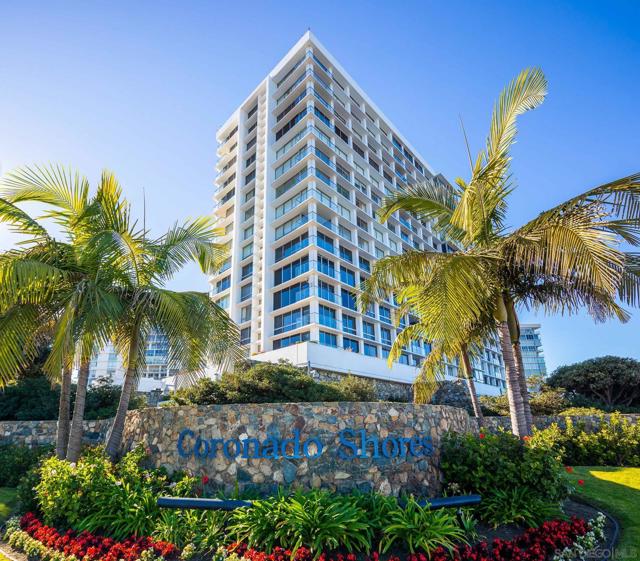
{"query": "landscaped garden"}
[(104, 511)]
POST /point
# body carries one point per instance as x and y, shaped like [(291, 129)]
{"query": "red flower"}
[(581, 482), (481, 435), (569, 469), (205, 479)]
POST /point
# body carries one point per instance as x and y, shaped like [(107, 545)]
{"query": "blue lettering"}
[(427, 442), (227, 445), (385, 447), (344, 441), (319, 448), (365, 441), (181, 450), (213, 446), (295, 442), (414, 444), (201, 449), (256, 448)]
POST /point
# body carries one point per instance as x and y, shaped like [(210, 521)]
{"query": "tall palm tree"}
[(567, 258), (199, 332), (78, 282)]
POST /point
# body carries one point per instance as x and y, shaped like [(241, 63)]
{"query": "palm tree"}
[(198, 330), (76, 285), (567, 258), (105, 283)]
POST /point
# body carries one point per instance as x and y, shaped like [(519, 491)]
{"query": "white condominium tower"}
[(304, 163)]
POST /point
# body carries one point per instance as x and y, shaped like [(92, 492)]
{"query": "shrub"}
[(581, 411), (419, 528), (487, 463), (546, 401), (610, 380), (319, 520), (272, 383), (95, 495), (16, 460), (33, 398), (616, 442)]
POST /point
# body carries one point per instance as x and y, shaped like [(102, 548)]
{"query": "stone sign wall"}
[(43, 433), (388, 447)]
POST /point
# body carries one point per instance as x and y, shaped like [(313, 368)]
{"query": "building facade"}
[(303, 164), (532, 352), (108, 365)]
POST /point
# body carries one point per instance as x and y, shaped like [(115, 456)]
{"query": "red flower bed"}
[(535, 544), (93, 547)]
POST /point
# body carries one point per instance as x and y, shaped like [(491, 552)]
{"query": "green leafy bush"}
[(33, 398), (16, 460), (546, 401), (616, 442), (272, 383), (319, 520), (98, 496), (203, 530), (490, 462), (516, 505), (419, 528), (581, 411)]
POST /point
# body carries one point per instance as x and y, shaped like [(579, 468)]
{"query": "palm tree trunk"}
[(517, 351), (130, 381), (471, 386), (514, 395), (514, 330), (75, 435), (62, 438)]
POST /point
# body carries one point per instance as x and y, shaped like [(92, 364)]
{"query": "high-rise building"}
[(532, 352), (303, 164), (108, 365)]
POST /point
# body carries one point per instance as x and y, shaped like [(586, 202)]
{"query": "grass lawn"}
[(7, 502), (616, 490)]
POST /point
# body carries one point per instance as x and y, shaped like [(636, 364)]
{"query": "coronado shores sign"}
[(391, 448), (348, 444)]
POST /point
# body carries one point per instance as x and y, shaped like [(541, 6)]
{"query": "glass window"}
[(328, 339), (370, 350), (350, 345), (292, 247), (365, 265), (247, 233), (326, 291), (245, 335), (325, 242), (347, 276), (348, 324), (291, 271), (346, 254), (247, 271), (290, 295), (348, 299), (326, 266), (385, 335), (291, 320), (247, 250), (368, 331), (327, 316), (245, 314), (291, 340), (385, 314), (245, 292)]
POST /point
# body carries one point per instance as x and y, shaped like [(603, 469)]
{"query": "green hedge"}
[(616, 442), (272, 383)]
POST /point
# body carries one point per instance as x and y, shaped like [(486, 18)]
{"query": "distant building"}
[(108, 365), (532, 353)]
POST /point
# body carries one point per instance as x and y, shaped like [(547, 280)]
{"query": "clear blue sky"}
[(140, 88)]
